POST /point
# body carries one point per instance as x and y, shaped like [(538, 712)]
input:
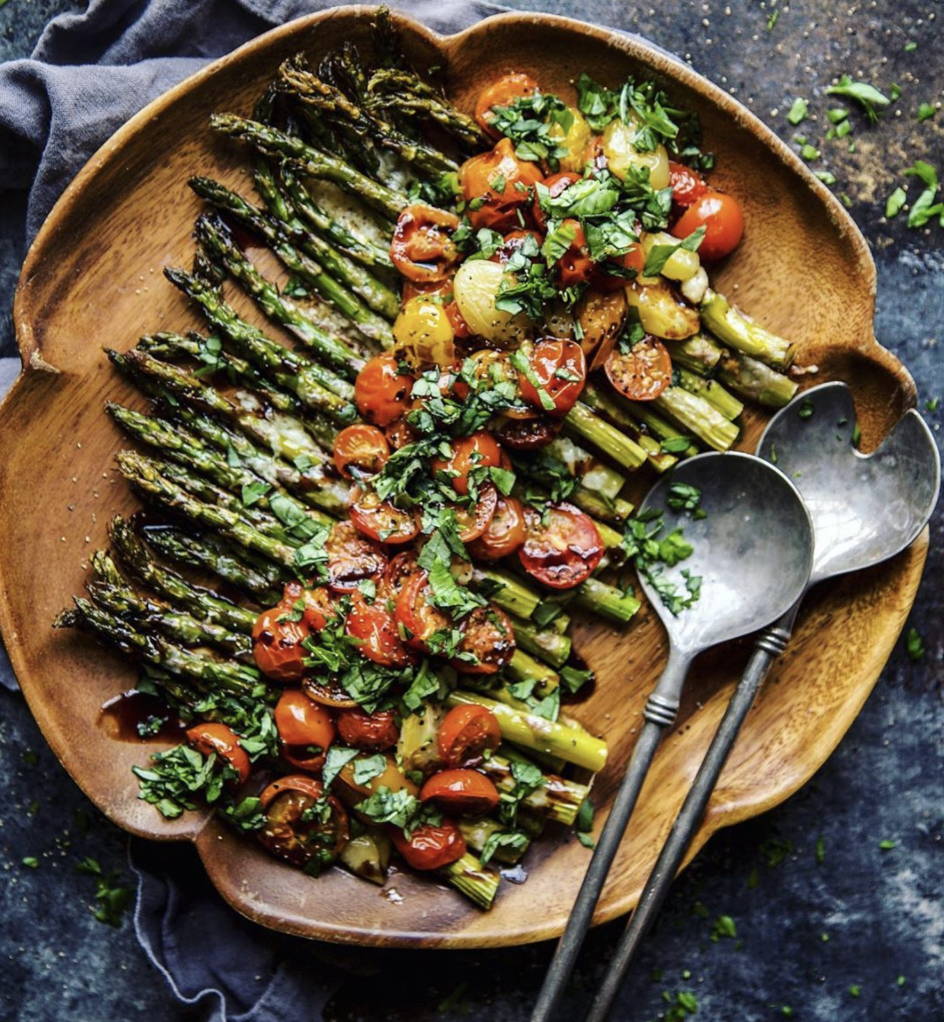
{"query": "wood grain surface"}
[(93, 278)]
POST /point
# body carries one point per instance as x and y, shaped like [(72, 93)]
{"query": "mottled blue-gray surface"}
[(828, 922)]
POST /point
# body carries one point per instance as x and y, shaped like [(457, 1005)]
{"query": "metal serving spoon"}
[(753, 551), (865, 509)]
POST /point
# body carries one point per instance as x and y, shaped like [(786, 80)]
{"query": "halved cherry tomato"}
[(375, 629), (370, 731), (687, 185), (503, 92), (315, 605), (643, 372), (475, 451), (504, 533), (441, 289), (360, 451), (556, 184), (488, 638), (305, 728), (529, 434), (575, 266), (560, 369), (467, 734), (400, 568), (462, 792), (422, 248), (381, 391), (614, 274), (352, 559), (222, 740), (721, 216), (497, 185), (416, 613), (430, 846), (327, 694), (293, 831), (489, 367), (277, 643), (473, 521), (514, 242), (381, 521), (562, 546)]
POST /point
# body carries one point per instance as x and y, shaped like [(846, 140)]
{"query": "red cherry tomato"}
[(614, 274), (687, 185), (504, 533), (352, 559), (416, 613), (305, 728), (381, 391), (372, 732), (292, 831), (327, 694), (487, 639), (315, 605), (722, 219), (422, 248), (556, 184), (643, 372), (503, 92), (277, 643), (496, 185), (562, 546), (461, 792), (473, 521), (375, 629), (514, 242), (467, 734), (476, 451), (529, 434), (575, 266), (360, 451), (381, 521), (218, 738), (560, 369), (430, 846), (400, 568)]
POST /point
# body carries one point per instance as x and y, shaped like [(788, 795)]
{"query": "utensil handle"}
[(768, 647), (659, 714)]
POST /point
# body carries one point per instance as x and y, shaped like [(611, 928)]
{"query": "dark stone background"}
[(810, 933)]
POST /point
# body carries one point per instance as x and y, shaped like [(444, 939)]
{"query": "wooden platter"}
[(93, 278)]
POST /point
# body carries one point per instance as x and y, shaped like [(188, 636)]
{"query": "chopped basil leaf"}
[(863, 93), (798, 111)]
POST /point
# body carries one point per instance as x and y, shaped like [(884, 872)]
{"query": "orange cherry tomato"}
[(497, 185), (352, 559), (375, 629), (277, 643), (475, 451), (529, 434), (487, 639), (416, 613), (556, 184), (560, 368), (643, 372), (422, 248), (473, 521), (504, 533), (360, 451), (372, 732), (687, 185), (399, 434), (218, 738), (381, 391), (508, 88), (461, 792), (467, 735), (722, 219), (562, 546), (315, 605), (379, 520), (575, 266), (430, 846), (305, 728), (294, 833), (513, 242), (614, 274)]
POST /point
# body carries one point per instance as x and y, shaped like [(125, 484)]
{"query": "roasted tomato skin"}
[(380, 521), (503, 92), (375, 629), (372, 732), (462, 792), (360, 451), (381, 391), (560, 369), (490, 186), (430, 846), (504, 533), (562, 546), (475, 451), (487, 637), (720, 214), (304, 727), (292, 837), (529, 434), (352, 558), (416, 613), (422, 248), (575, 266), (614, 274), (687, 185), (466, 734), (277, 643), (643, 372), (209, 738)]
